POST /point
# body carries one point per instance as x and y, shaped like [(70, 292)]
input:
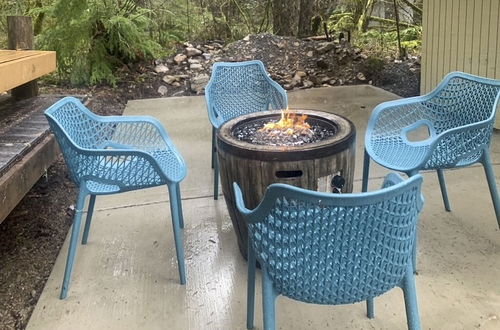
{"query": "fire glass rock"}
[(251, 132)]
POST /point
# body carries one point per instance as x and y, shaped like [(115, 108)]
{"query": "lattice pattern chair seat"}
[(333, 249), (459, 116), (107, 155), (236, 89)]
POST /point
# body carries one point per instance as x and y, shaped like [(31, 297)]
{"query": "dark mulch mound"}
[(399, 78), (30, 239)]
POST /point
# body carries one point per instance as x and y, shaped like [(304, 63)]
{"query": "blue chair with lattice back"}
[(113, 154), (333, 249), (459, 116), (236, 89)]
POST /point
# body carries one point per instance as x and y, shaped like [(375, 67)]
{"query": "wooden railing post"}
[(20, 37)]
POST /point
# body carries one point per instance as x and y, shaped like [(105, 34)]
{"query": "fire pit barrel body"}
[(312, 166)]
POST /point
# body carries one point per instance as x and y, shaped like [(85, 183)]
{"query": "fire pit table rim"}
[(345, 135)]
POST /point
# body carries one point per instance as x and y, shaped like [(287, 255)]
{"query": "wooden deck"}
[(26, 147), (22, 127)]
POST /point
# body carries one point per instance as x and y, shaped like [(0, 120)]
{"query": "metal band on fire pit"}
[(344, 137)]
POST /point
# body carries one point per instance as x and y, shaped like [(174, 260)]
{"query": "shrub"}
[(93, 37), (372, 67)]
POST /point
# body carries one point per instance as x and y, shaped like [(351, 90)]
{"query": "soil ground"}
[(30, 238)]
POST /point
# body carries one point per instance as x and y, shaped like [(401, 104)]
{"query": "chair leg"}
[(250, 286), (75, 231), (213, 147), (179, 205), (88, 220), (411, 305), (370, 308), (268, 302), (444, 192), (179, 248), (414, 256), (216, 178), (366, 172), (490, 177), (414, 252)]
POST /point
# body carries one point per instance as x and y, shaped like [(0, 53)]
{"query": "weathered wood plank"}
[(20, 32), (22, 127), (19, 179)]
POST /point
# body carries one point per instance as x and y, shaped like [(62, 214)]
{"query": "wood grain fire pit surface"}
[(315, 166)]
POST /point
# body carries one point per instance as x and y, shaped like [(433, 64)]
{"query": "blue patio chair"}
[(236, 89), (459, 116), (109, 155), (333, 249)]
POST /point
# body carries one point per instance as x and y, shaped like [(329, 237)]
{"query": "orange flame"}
[(290, 124)]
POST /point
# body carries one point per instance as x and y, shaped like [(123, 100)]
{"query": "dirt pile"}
[(293, 63)]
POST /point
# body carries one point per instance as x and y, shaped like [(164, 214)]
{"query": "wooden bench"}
[(26, 147)]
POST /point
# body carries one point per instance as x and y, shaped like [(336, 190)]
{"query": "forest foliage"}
[(95, 37)]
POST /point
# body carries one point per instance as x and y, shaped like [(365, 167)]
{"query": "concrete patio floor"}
[(127, 278)]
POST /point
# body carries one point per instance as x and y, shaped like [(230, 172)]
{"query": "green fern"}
[(93, 38)]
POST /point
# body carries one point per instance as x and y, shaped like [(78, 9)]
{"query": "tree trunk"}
[(305, 16), (221, 29), (396, 14), (39, 19), (285, 17), (365, 15), (20, 37)]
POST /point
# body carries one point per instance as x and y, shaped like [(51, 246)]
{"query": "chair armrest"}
[(128, 169), (460, 143), (240, 202), (139, 132), (391, 179), (259, 213), (389, 118), (216, 122), (278, 97), (136, 131)]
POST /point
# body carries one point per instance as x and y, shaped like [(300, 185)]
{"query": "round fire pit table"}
[(322, 163)]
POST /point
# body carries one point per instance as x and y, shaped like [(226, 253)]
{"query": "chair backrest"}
[(462, 99), (336, 249), (237, 88), (76, 128), (70, 117)]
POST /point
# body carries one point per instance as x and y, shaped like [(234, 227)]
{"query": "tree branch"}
[(249, 24), (391, 21), (413, 6)]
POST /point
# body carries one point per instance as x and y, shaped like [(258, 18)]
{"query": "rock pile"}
[(293, 63)]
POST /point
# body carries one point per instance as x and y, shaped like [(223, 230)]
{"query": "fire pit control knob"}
[(337, 184)]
